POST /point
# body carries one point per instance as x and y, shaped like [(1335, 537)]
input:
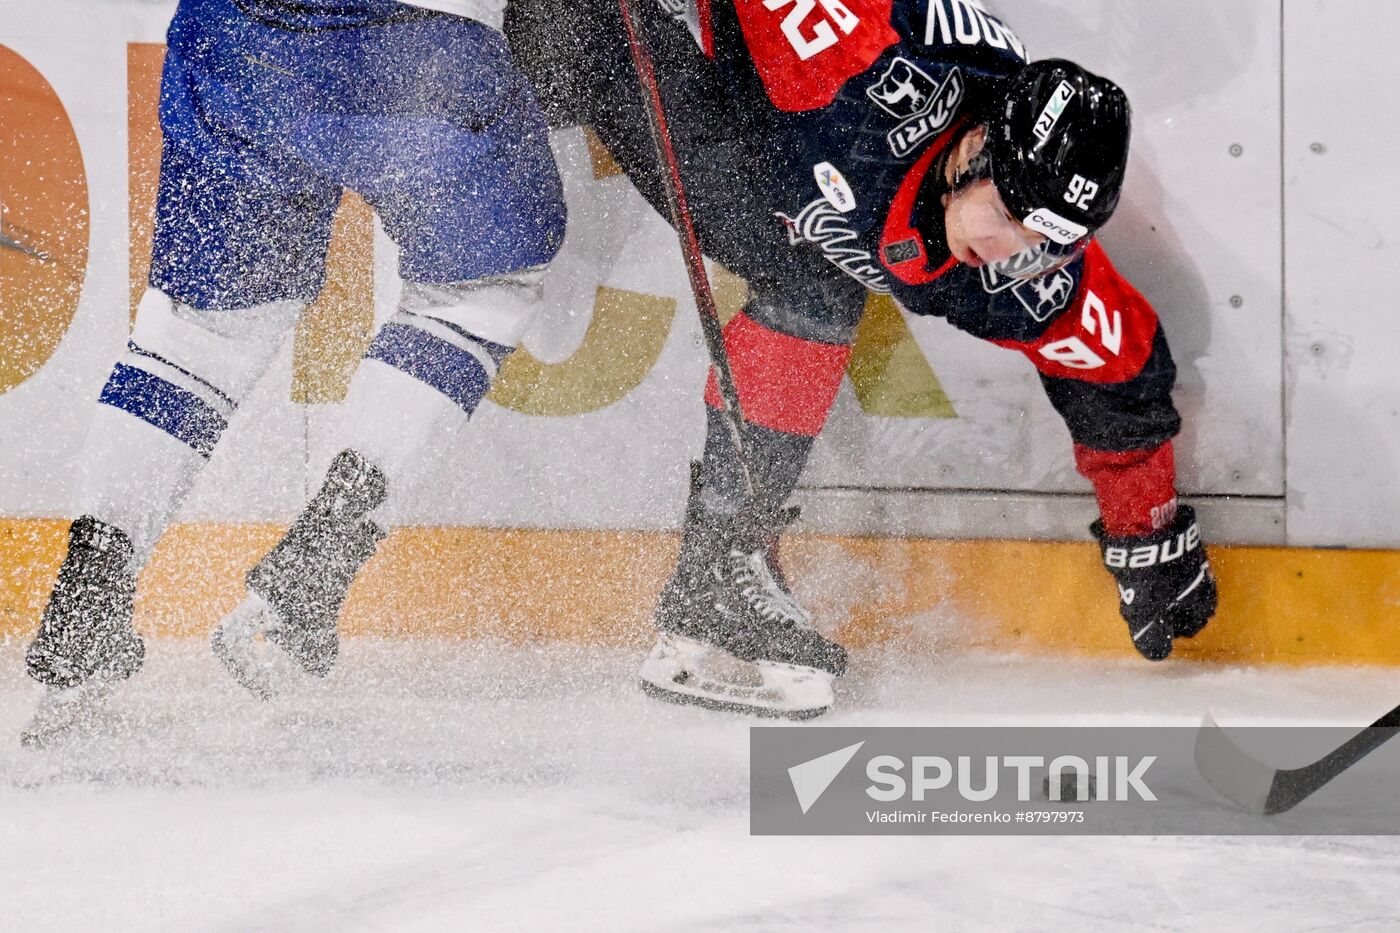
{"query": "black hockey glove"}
[(1165, 585)]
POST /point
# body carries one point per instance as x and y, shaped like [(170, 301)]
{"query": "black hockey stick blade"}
[(1265, 790)]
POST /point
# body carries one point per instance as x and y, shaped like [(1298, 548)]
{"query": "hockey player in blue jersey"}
[(271, 109)]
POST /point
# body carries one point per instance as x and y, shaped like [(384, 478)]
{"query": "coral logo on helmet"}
[(838, 192), (925, 106), (1057, 228), (1054, 109)]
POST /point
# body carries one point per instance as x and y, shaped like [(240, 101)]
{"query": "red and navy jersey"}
[(864, 97)]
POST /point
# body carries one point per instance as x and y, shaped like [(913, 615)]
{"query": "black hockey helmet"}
[(1058, 149)]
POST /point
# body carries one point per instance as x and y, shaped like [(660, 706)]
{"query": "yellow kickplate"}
[(1278, 605)]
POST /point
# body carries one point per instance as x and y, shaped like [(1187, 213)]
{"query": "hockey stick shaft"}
[(684, 223)]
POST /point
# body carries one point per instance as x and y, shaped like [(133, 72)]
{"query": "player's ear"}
[(973, 141), (967, 145)]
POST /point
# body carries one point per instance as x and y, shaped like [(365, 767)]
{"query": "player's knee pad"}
[(185, 370), (454, 338)]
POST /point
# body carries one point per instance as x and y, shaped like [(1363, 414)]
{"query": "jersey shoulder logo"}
[(1046, 296), (903, 90), (822, 225), (1042, 297), (924, 106)]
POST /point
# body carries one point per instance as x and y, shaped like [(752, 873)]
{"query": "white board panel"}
[(1343, 272)]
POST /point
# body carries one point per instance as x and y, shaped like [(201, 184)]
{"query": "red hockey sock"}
[(785, 383)]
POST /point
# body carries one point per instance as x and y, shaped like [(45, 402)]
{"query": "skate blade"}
[(681, 670), (241, 645), (64, 711)]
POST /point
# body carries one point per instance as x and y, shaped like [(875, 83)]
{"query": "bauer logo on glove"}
[(1166, 588), (1150, 554)]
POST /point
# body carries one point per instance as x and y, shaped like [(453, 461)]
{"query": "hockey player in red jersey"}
[(832, 148)]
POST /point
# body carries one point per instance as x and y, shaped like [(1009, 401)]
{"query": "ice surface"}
[(480, 786)]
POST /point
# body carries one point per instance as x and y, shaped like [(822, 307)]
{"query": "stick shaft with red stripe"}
[(684, 223)]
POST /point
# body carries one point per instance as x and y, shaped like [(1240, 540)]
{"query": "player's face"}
[(980, 229)]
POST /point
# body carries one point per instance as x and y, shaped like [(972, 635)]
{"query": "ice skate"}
[(242, 643), (64, 711), (731, 635), (86, 643), (295, 593), (684, 670)]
